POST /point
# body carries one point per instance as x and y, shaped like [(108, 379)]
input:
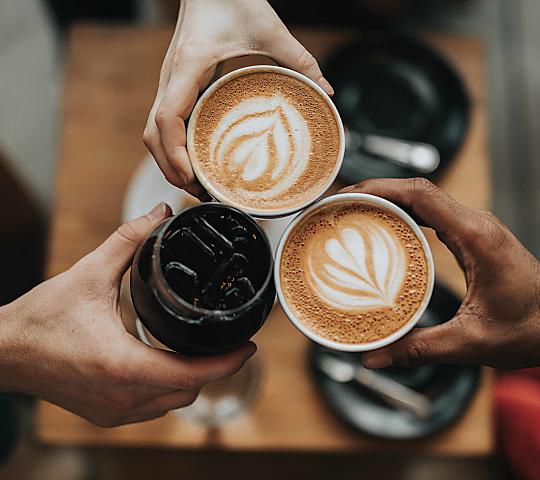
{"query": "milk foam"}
[(353, 272), (360, 265), (265, 141), (264, 144)]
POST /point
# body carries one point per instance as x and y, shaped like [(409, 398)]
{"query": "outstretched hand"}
[(65, 342), (498, 323)]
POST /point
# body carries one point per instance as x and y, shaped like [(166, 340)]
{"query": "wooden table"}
[(111, 80)]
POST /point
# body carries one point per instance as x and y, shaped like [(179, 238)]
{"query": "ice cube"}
[(188, 234), (214, 234)]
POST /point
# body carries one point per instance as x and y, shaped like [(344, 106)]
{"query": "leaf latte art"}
[(357, 265), (263, 146), (265, 141)]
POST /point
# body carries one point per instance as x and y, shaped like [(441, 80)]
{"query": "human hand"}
[(65, 342), (207, 33), (498, 323)]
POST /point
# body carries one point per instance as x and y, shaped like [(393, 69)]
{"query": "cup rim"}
[(259, 213), (382, 342)]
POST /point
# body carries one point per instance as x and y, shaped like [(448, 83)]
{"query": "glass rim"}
[(157, 270)]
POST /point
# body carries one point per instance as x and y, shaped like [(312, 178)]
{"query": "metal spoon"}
[(418, 156), (394, 393)]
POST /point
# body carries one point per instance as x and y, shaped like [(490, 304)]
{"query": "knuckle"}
[(192, 382), (415, 355), (98, 421), (235, 368), (484, 230), (171, 178), (128, 232), (162, 116), (158, 415), (423, 185), (104, 421), (148, 137), (368, 185), (487, 214), (180, 179), (415, 351), (174, 179), (491, 220), (473, 234), (189, 400), (307, 61)]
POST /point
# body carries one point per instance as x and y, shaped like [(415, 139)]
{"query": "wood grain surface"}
[(110, 84)]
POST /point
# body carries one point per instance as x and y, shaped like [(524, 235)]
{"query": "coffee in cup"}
[(354, 272), (265, 139)]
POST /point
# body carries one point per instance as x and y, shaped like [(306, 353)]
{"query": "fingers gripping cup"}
[(354, 272), (202, 282), (265, 139)]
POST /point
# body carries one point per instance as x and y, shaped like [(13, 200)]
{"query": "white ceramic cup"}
[(364, 199), (214, 192)]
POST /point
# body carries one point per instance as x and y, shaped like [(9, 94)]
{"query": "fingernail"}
[(325, 85), (347, 189), (159, 212), (377, 359)]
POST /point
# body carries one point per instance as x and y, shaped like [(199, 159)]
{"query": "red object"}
[(517, 410)]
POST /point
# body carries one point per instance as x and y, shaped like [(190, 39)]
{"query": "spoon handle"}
[(395, 394), (418, 156)]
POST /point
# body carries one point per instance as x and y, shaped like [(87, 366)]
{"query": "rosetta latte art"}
[(263, 146), (358, 265)]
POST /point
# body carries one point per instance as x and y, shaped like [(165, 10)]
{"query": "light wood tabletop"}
[(109, 87)]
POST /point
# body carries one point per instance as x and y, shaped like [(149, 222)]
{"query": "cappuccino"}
[(266, 140), (353, 271)]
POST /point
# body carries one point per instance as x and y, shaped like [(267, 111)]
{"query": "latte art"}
[(265, 140), (263, 145), (361, 265), (352, 272)]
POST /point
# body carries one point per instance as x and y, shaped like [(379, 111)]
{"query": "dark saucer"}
[(450, 387), (398, 87)]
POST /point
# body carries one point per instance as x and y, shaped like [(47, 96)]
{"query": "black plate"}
[(450, 387), (399, 87)]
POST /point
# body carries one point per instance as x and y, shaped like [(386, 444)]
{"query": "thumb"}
[(115, 253), (446, 343)]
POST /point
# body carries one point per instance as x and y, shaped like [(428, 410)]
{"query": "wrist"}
[(10, 349)]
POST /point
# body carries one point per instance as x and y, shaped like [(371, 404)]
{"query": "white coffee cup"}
[(364, 199), (214, 192)]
